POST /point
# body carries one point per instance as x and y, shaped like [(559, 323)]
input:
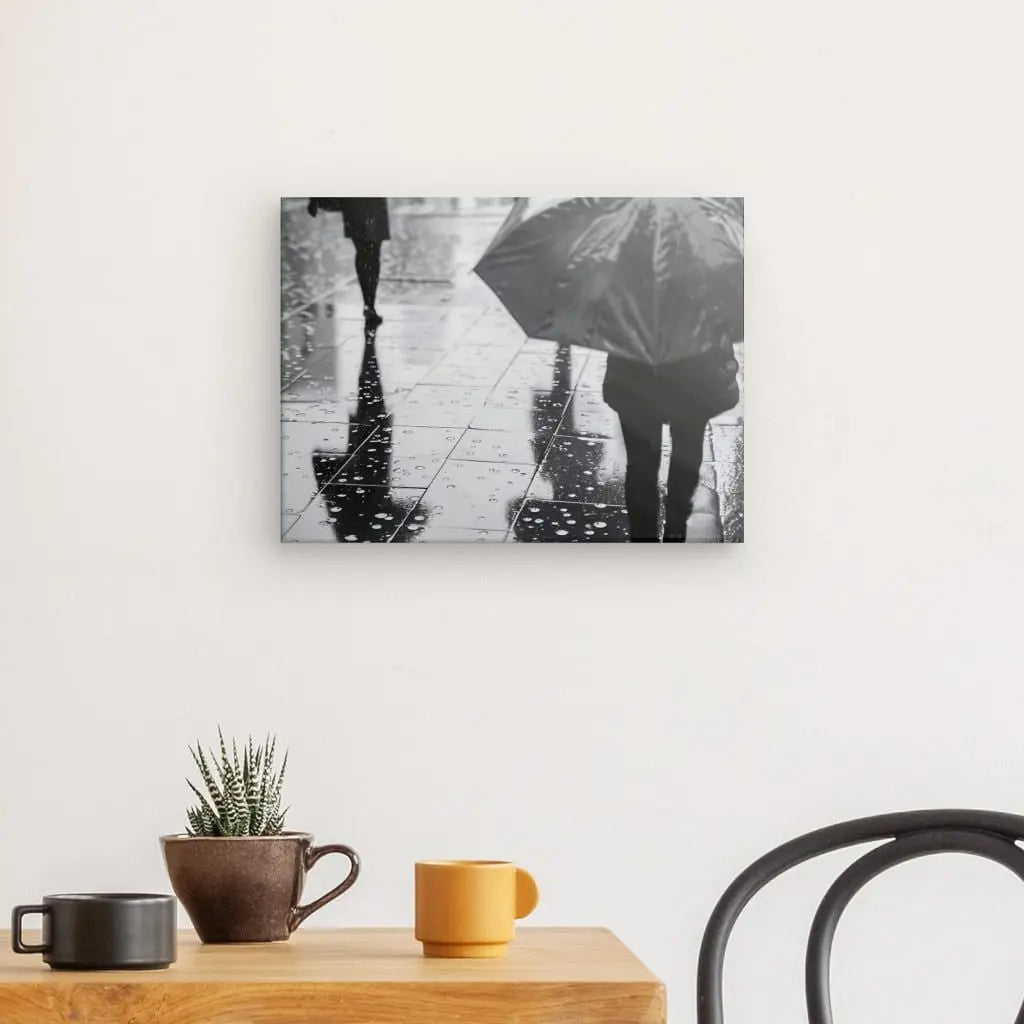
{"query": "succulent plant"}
[(243, 795)]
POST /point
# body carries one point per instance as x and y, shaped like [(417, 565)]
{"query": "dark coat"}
[(365, 219), (701, 386)]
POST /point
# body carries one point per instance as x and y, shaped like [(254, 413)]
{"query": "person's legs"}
[(368, 272), (642, 435), (683, 474)]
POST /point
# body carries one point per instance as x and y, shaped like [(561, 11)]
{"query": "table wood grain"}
[(352, 976)]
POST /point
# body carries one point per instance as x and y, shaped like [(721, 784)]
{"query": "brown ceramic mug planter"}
[(247, 888)]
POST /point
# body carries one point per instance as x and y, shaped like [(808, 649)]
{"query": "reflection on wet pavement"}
[(496, 446), (582, 469), (415, 532), (587, 415), (446, 423), (309, 458), (434, 405), (511, 419), (405, 456), (476, 495), (347, 512), (555, 521)]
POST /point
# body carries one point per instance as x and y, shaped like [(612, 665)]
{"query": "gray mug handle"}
[(18, 914)]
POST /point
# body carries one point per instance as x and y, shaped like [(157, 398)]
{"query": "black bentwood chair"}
[(988, 834)]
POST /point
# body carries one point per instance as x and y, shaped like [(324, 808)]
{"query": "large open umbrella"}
[(653, 280)]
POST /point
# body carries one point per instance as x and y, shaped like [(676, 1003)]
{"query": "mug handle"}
[(527, 893), (18, 915), (313, 854)]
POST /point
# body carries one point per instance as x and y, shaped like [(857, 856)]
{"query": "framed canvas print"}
[(562, 370)]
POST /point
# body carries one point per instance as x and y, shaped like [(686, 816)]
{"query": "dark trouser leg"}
[(643, 457), (368, 269), (683, 475)]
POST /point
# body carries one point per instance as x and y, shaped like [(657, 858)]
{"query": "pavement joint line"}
[(441, 466), (418, 280), (295, 380), (349, 458), (318, 298)]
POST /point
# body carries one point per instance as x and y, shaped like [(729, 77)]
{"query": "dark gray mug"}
[(102, 931)]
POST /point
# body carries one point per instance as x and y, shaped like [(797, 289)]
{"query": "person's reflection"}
[(357, 499), (546, 406), (563, 469)]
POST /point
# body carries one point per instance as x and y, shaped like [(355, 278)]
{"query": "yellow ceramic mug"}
[(468, 908)]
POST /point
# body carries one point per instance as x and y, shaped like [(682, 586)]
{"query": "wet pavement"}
[(447, 423)]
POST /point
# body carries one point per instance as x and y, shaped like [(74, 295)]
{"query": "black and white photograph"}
[(512, 369)]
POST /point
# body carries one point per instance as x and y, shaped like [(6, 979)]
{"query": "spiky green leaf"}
[(243, 789)]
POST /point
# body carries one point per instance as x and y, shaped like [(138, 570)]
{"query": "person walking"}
[(366, 224), (685, 394), (657, 284)]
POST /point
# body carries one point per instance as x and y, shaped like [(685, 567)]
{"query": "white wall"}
[(634, 725)]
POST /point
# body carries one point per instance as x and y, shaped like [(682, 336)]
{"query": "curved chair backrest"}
[(988, 834)]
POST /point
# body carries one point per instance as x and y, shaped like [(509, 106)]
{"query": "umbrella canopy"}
[(653, 280)]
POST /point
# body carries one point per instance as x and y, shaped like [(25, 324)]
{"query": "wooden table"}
[(359, 976)]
